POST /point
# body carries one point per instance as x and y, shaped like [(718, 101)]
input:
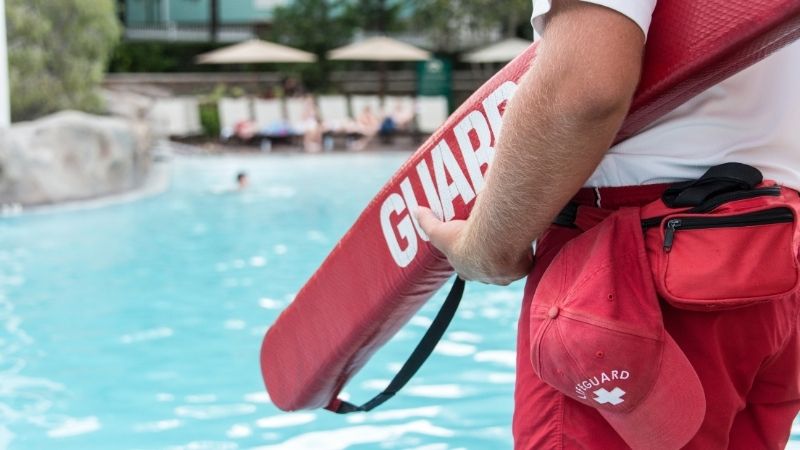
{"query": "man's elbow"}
[(591, 60), (591, 101)]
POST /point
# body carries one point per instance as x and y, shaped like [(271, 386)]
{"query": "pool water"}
[(138, 326)]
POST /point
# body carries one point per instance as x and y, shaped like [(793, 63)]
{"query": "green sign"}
[(435, 77)]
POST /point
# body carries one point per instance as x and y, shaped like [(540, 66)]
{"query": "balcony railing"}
[(174, 32)]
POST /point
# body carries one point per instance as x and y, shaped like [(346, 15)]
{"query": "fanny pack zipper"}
[(769, 216), (714, 203)]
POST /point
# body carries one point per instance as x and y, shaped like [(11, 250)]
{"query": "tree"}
[(58, 52), (316, 26), (446, 21), (375, 16), (508, 17)]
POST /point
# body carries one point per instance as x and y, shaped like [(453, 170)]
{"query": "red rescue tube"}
[(382, 271)]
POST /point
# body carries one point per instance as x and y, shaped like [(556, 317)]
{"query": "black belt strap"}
[(418, 356), (717, 180), (567, 216)]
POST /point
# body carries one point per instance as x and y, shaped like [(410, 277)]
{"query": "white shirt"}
[(752, 117)]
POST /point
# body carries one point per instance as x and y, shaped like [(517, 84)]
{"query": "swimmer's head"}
[(241, 180)]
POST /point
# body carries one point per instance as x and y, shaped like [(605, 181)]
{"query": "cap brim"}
[(673, 410)]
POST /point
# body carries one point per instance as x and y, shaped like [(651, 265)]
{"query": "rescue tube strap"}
[(417, 358)]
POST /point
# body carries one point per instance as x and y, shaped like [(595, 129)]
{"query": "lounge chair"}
[(232, 113), (176, 117), (431, 113), (359, 102), (333, 109), (300, 112)]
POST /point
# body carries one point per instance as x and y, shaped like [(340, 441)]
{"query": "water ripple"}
[(257, 397), (269, 303), (504, 357), (74, 427), (437, 391), (200, 398), (343, 438), (146, 335), (396, 414), (234, 324), (451, 348), (215, 411), (464, 336), (205, 445), (239, 431), (157, 426), (286, 420)]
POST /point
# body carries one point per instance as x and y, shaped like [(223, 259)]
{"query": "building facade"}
[(190, 20)]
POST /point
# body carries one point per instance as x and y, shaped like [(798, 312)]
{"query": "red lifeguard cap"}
[(597, 336)]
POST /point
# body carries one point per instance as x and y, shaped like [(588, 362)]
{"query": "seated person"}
[(403, 116), (245, 130), (308, 118), (400, 119), (367, 125), (313, 137)]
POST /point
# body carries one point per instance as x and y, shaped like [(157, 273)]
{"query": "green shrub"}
[(209, 119), (209, 112), (58, 52), (160, 57)]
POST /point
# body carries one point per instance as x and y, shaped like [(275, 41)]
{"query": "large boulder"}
[(72, 156)]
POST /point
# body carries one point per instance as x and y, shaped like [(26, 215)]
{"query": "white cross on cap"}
[(614, 397)]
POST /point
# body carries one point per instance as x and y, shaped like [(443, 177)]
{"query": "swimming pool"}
[(138, 326)]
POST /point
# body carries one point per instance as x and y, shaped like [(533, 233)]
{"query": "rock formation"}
[(72, 156)]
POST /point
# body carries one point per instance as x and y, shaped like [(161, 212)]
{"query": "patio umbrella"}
[(256, 51), (503, 51), (381, 49)]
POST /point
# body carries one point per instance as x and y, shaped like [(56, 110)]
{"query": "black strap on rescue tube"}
[(417, 358), (717, 180)]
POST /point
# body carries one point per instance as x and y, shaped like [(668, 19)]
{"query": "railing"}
[(174, 32)]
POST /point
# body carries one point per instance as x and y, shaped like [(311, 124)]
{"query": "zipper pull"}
[(669, 234)]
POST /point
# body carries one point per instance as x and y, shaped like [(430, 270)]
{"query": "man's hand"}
[(473, 261)]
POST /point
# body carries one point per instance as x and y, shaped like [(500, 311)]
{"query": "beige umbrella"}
[(503, 51), (379, 48), (256, 51)]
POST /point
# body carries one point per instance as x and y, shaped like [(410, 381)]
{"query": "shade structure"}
[(379, 48), (256, 51), (499, 52)]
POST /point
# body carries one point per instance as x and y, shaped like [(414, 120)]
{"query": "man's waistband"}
[(591, 205), (617, 197)]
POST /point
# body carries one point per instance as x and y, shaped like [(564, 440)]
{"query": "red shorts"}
[(748, 360)]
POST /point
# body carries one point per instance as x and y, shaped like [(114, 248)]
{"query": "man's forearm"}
[(555, 132), (556, 129), (542, 159)]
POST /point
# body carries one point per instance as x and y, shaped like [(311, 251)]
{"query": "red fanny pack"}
[(726, 240)]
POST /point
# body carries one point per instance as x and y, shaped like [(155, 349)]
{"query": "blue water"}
[(138, 326)]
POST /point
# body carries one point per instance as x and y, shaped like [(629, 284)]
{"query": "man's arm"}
[(563, 118)]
